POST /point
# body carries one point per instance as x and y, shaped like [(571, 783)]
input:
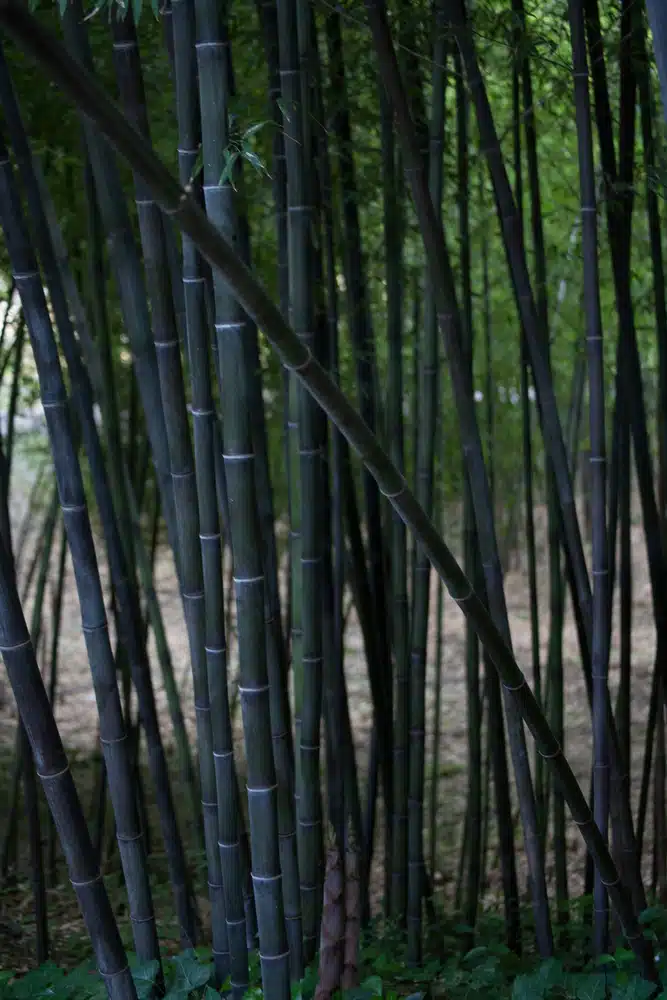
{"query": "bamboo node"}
[(16, 645), (274, 958), (116, 739), (53, 775), (211, 45), (230, 326), (304, 364), (90, 881), (550, 756), (266, 878), (253, 690), (261, 789), (392, 496), (515, 687), (112, 975)]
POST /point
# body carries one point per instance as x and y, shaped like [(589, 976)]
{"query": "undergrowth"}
[(488, 971)]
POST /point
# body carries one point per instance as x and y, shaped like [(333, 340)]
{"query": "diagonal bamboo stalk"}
[(91, 99), (113, 732), (452, 325)]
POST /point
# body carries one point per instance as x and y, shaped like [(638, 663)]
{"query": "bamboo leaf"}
[(254, 129), (231, 157), (255, 161)]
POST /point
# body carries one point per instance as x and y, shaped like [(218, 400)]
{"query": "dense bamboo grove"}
[(331, 309)]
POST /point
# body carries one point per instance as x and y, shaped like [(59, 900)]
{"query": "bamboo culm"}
[(91, 99)]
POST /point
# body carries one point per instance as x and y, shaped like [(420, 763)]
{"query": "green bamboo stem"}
[(301, 304), (127, 607), (471, 853), (113, 735), (128, 274), (197, 23), (600, 570), (453, 330), (393, 235), (428, 395), (61, 795), (359, 321), (238, 456)]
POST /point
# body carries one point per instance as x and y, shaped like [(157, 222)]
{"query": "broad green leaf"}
[(144, 976), (635, 989), (475, 955), (651, 914), (190, 973), (374, 984)]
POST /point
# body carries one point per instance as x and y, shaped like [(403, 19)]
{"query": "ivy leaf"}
[(475, 956), (652, 914), (190, 972), (144, 976), (374, 984), (588, 986), (635, 989), (39, 982)]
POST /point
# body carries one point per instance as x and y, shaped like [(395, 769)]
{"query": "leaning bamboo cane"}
[(75, 515), (175, 201)]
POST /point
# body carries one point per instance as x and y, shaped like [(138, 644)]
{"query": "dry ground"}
[(76, 715)]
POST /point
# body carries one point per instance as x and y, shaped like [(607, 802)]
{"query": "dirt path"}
[(76, 715)]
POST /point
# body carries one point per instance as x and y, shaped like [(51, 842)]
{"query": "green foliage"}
[(488, 971)]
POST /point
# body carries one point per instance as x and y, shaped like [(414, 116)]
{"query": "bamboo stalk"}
[(90, 98), (113, 734)]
